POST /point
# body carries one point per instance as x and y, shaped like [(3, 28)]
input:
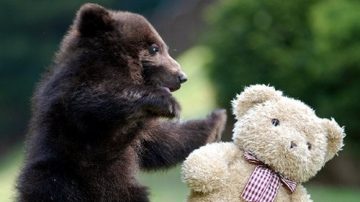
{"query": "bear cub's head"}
[(284, 133), (121, 45)]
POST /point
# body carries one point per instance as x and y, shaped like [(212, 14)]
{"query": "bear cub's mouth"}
[(173, 83), (160, 77), (167, 89), (170, 89)]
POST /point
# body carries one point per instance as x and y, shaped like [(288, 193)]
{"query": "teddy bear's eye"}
[(275, 122), (309, 145), (153, 49)]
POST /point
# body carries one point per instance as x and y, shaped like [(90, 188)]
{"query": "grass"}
[(333, 194), (9, 170), (196, 97)]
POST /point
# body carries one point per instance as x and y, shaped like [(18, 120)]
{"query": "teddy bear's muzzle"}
[(294, 144)]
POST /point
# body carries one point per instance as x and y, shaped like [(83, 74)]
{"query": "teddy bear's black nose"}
[(292, 144)]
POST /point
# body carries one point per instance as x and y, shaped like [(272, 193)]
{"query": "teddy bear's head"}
[(284, 133)]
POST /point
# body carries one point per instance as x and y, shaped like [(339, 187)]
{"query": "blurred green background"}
[(310, 49)]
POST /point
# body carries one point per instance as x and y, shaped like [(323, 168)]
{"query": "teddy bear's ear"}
[(253, 95), (335, 136), (93, 18)]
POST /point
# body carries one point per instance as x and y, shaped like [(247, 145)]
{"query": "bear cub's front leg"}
[(165, 143)]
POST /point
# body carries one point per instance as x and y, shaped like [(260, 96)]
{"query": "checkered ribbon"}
[(264, 183)]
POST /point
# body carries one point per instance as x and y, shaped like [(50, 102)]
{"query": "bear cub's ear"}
[(92, 19), (251, 96), (335, 136)]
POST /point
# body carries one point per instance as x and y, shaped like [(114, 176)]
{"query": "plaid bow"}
[(264, 182)]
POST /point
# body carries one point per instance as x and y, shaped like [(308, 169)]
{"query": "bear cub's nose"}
[(182, 78)]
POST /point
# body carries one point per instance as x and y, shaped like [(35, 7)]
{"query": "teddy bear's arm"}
[(206, 169), (300, 195)]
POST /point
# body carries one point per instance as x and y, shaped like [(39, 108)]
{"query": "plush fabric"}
[(283, 133)]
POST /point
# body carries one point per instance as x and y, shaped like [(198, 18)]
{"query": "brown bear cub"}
[(104, 111)]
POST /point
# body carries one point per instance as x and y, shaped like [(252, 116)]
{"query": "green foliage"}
[(309, 49)]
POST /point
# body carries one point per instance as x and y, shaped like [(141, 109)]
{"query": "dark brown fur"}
[(98, 115)]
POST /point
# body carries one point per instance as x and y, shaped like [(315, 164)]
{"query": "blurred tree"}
[(308, 48)]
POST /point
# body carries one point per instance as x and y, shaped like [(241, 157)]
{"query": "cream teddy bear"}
[(278, 143)]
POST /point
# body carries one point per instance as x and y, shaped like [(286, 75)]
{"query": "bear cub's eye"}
[(275, 122), (153, 49)]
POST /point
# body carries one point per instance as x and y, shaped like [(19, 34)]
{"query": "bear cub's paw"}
[(162, 103), (217, 120)]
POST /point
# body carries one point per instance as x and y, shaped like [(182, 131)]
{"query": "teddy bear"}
[(278, 143)]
